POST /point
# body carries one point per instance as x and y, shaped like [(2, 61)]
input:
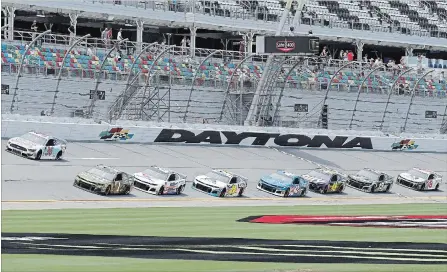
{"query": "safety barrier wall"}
[(223, 135)]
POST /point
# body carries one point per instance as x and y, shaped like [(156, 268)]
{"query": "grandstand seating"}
[(83, 65), (426, 18)]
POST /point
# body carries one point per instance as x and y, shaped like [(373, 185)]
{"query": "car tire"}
[(59, 155), (127, 191), (222, 193), (107, 191), (341, 189), (422, 188), (241, 191), (180, 189), (303, 192), (160, 192), (39, 155), (323, 190), (437, 187), (373, 188), (286, 193), (388, 187)]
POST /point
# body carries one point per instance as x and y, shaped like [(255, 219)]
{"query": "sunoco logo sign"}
[(285, 46), (261, 139)]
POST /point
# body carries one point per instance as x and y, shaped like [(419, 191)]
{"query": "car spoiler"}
[(180, 174), (333, 170), (234, 174)]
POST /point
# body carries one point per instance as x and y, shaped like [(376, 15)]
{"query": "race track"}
[(29, 184)]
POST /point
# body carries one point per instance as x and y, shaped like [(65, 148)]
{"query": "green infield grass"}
[(221, 222), (210, 222), (53, 263)]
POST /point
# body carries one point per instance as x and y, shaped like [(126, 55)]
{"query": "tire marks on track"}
[(225, 249)]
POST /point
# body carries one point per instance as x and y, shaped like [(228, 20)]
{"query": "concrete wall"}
[(36, 94)]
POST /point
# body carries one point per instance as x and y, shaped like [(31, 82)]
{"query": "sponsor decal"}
[(398, 221), (285, 46), (406, 144), (115, 134), (261, 139)]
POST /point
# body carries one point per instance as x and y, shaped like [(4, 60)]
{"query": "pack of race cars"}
[(156, 180)]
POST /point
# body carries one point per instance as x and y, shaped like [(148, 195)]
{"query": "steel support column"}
[(330, 86), (390, 93), (227, 91), (254, 104), (62, 67), (193, 32), (73, 23), (148, 79), (194, 81), (98, 79), (409, 51), (140, 30), (443, 128), (359, 91), (359, 44), (19, 73), (412, 97), (297, 18), (248, 38)]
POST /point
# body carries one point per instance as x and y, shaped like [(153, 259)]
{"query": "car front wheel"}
[(160, 192), (39, 155), (180, 189)]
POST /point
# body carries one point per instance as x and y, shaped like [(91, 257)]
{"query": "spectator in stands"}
[(442, 78), (119, 35), (365, 58), (183, 44), (350, 56), (109, 36), (34, 29), (89, 52), (324, 52), (341, 56), (104, 35)]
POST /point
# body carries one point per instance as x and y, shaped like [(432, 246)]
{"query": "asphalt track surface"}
[(224, 249), (29, 184)]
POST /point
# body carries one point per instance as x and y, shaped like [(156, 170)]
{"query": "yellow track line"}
[(332, 199)]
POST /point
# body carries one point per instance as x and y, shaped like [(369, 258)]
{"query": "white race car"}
[(159, 181), (220, 183), (37, 146), (419, 179)]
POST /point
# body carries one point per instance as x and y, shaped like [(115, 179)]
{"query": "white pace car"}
[(159, 181), (419, 179), (220, 183), (37, 146)]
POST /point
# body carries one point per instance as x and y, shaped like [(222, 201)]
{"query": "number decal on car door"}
[(233, 190), (49, 151)]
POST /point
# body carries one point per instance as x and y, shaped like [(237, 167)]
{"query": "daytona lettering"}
[(261, 139)]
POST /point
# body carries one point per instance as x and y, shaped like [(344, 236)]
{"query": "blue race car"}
[(283, 184)]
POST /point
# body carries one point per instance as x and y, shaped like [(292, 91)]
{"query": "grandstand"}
[(169, 83)]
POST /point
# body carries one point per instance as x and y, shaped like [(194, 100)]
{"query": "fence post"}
[(92, 104), (412, 97), (358, 93), (330, 86), (21, 67), (62, 66), (229, 83), (389, 94), (194, 81)]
